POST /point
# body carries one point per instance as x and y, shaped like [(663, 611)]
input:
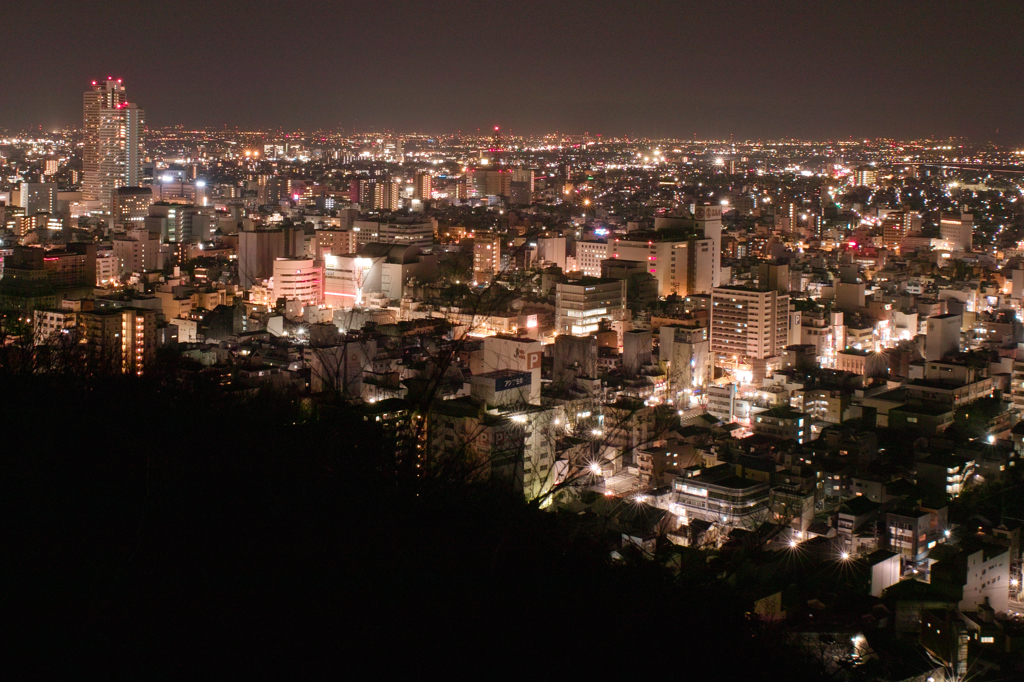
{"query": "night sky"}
[(656, 68)]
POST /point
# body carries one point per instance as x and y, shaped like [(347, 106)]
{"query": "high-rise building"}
[(112, 152), (38, 197), (896, 226), (422, 186), (486, 256), (257, 251), (136, 252), (748, 328), (388, 196), (125, 338), (709, 223)]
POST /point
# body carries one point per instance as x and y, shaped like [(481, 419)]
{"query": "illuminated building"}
[(718, 495), (957, 230), (404, 231), (336, 242), (865, 176), (138, 334), (685, 353), (709, 223), (517, 353), (38, 197), (74, 267), (783, 423), (896, 226), (421, 186), (53, 326), (486, 257), (482, 183), (136, 252), (943, 336), (130, 204), (125, 338), (299, 279), (748, 328), (377, 269), (680, 267), (112, 150), (581, 305), (51, 167), (106, 268), (388, 197)]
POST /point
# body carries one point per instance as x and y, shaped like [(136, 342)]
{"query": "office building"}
[(581, 305), (136, 251), (130, 204), (112, 149), (896, 226), (865, 176), (38, 197), (681, 267), (404, 231), (957, 230)]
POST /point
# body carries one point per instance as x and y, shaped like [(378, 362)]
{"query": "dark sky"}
[(762, 69)]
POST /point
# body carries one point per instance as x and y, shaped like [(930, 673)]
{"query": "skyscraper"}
[(112, 155)]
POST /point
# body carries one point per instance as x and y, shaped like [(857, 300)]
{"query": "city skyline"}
[(703, 323), (747, 71)]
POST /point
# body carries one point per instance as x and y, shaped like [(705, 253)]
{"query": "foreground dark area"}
[(156, 528)]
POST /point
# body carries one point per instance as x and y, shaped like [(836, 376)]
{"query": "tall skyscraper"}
[(112, 155)]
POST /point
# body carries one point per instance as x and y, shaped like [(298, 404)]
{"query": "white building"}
[(943, 336), (52, 326), (299, 279), (988, 579), (957, 230), (515, 353), (580, 306)]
